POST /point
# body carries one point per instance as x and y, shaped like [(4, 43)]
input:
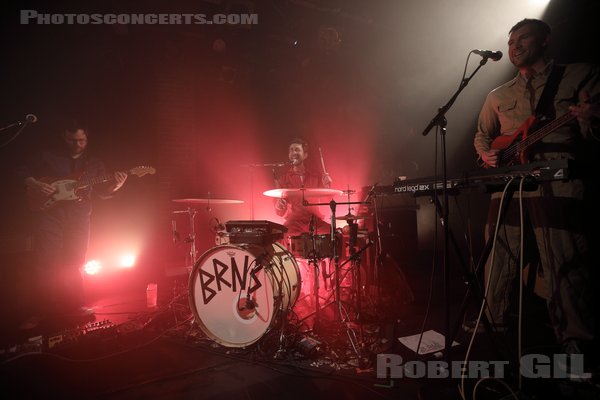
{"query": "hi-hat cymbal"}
[(350, 217), (306, 192), (208, 201)]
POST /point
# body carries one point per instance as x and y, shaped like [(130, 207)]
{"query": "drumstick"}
[(322, 162)]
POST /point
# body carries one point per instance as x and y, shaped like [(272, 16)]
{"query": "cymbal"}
[(208, 201), (351, 216), (307, 192)]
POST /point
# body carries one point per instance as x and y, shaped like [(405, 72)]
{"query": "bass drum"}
[(237, 291)]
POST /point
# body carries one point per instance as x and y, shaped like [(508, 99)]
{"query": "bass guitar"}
[(514, 147)]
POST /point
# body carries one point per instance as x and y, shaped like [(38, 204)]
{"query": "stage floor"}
[(132, 351)]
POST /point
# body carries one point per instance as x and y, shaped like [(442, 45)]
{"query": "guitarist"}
[(61, 233), (554, 212)]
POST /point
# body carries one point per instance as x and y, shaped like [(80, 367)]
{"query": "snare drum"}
[(237, 291), (302, 246)]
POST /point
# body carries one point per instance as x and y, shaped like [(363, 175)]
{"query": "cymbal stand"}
[(355, 260), (336, 258), (378, 247), (315, 261), (313, 258), (191, 238)]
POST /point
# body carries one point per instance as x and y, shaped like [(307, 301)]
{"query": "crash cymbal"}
[(350, 217), (307, 193), (208, 201)]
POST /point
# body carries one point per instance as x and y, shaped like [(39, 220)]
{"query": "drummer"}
[(299, 218)]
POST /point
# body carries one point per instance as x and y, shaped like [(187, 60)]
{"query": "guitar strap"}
[(545, 109)]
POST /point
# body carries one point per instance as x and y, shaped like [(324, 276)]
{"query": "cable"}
[(521, 252), (330, 375), (512, 393), (487, 285), (166, 377), (59, 357)]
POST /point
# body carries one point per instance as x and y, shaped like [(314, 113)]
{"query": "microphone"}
[(250, 304), (32, 119), (493, 55)]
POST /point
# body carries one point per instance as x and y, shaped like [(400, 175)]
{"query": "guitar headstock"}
[(140, 171)]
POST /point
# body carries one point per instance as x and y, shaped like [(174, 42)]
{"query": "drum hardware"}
[(339, 310), (191, 238), (208, 201), (314, 258)]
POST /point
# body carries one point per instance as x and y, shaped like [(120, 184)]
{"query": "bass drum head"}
[(236, 291)]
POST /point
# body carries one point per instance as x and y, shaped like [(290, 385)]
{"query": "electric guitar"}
[(514, 147), (66, 189)]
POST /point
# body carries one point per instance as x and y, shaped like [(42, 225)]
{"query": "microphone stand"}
[(251, 168), (18, 123), (22, 125), (441, 122)]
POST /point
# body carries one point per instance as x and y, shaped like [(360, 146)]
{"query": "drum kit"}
[(249, 283)]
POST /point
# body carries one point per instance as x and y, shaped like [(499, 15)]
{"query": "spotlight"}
[(92, 267)]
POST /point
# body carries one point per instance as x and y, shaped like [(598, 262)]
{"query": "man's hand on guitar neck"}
[(39, 187), (120, 178), (490, 157), (585, 111)]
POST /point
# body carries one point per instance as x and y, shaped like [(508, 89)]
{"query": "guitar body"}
[(67, 188), (505, 141)]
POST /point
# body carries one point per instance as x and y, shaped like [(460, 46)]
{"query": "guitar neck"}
[(550, 127), (97, 180), (544, 131), (517, 148)]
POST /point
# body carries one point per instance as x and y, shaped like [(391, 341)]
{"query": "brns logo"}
[(218, 278)]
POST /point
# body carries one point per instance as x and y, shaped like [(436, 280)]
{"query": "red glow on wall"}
[(127, 260)]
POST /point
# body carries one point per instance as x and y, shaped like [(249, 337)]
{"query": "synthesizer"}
[(539, 171)]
